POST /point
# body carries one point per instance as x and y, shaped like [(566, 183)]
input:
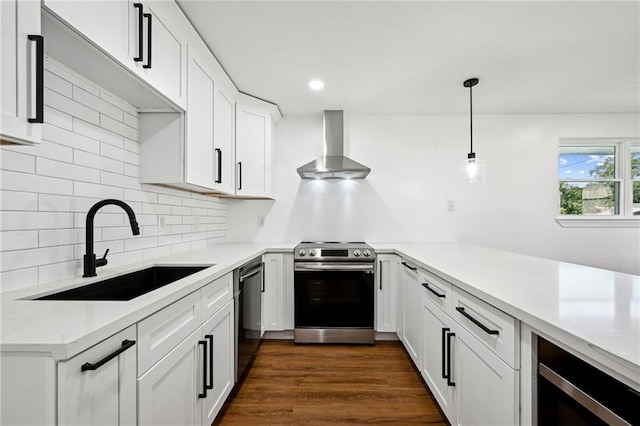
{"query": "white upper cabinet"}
[(139, 35), (254, 126), (224, 137), (21, 72), (161, 58)]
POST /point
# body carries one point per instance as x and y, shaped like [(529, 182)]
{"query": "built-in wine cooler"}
[(573, 392)]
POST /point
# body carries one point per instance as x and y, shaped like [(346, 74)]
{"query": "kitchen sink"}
[(128, 286)]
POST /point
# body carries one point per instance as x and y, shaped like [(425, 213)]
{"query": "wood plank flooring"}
[(331, 384)]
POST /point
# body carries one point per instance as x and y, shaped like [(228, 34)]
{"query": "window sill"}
[(598, 222)]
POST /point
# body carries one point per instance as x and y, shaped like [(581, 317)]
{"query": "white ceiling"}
[(380, 58)]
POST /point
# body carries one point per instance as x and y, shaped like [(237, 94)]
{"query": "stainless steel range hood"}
[(333, 164)]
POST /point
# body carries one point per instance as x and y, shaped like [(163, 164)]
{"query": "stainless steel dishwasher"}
[(248, 286)]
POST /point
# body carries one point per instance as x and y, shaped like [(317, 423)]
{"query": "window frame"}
[(624, 217)]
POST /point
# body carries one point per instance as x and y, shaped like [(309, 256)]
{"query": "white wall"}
[(414, 162), (89, 152)]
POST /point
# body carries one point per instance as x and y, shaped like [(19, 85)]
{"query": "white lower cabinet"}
[(98, 386), (412, 323), (274, 277), (386, 292), (470, 382)]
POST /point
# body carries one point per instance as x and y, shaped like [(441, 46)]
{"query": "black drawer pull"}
[(39, 78), (140, 48), (445, 375), (409, 266), (126, 344), (450, 382), (380, 273), (219, 168), (203, 343), (149, 35), (440, 295), (476, 322), (209, 337)]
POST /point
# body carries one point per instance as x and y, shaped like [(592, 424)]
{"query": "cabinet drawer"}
[(162, 331), (216, 294), (437, 290), (500, 332)]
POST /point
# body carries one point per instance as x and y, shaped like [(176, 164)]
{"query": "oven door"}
[(334, 295)]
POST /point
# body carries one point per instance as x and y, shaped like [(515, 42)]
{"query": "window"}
[(599, 179)]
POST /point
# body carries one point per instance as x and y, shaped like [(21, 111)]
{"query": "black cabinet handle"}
[(39, 78), (149, 50), (440, 295), (262, 277), (139, 7), (476, 322), (380, 273), (219, 168), (445, 375), (209, 337), (449, 381), (239, 175), (203, 343), (126, 344), (409, 266)]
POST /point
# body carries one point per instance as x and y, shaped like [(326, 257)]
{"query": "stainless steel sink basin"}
[(128, 286)]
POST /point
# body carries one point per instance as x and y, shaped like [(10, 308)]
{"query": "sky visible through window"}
[(580, 163)]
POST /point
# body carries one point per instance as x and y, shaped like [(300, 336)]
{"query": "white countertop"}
[(600, 307)]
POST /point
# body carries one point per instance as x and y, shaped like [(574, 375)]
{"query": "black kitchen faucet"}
[(90, 261)]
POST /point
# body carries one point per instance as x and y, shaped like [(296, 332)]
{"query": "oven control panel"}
[(333, 251)]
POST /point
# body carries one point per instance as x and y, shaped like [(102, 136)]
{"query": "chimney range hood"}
[(333, 164)]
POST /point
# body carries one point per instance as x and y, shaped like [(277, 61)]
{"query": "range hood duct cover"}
[(333, 164)]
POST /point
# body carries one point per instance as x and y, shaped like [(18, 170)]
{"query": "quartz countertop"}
[(599, 307)]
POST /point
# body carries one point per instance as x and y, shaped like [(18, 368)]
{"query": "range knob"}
[(366, 252), (312, 252), (357, 253), (302, 252)]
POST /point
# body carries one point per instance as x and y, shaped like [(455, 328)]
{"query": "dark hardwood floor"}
[(331, 384)]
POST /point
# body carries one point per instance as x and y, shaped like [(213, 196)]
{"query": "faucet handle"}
[(103, 260)]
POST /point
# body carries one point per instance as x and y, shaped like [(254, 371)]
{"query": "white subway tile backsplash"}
[(19, 259), (27, 182), (18, 240), (58, 118), (90, 151), (116, 153), (19, 278), (97, 133), (83, 189), (69, 138), (46, 167), (57, 84), (97, 162), (118, 127), (18, 162), (131, 120), (97, 104), (14, 200), (68, 105)]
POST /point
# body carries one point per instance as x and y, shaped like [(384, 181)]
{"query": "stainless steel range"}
[(334, 292)]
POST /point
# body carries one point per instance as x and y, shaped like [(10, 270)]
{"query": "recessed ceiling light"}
[(316, 85)]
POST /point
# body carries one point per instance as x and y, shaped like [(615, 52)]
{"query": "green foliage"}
[(570, 199)]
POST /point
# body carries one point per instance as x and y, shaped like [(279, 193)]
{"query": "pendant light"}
[(472, 169)]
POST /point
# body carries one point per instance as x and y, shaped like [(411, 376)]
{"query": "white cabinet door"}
[(435, 327), (21, 72), (168, 392), (104, 22), (224, 125), (164, 51), (199, 155), (412, 335), (253, 151), (218, 331), (400, 304), (386, 292), (487, 389), (98, 386), (274, 291)]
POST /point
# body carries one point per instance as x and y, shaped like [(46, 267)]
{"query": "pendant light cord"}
[(471, 116)]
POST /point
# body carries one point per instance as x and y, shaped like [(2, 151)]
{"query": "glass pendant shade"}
[(473, 170)]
